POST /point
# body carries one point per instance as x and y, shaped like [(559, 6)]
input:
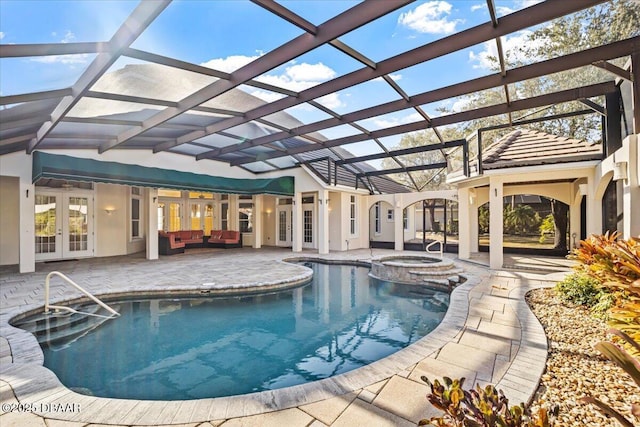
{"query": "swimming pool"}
[(177, 349)]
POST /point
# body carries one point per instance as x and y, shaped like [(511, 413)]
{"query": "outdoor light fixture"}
[(109, 210), (620, 171)]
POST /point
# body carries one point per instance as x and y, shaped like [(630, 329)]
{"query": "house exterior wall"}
[(269, 220), (9, 218)]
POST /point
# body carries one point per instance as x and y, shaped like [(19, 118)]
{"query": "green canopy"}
[(56, 166)]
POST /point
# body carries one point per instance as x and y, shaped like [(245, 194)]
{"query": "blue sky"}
[(228, 34)]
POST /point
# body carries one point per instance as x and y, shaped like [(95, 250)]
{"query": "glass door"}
[(285, 231), (63, 225), (201, 216), (308, 222)]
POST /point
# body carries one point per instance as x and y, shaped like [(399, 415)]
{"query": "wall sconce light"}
[(472, 198), (620, 171), (109, 211), (582, 189), (155, 199)]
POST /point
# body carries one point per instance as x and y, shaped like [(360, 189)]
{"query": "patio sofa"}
[(168, 244), (225, 239), (191, 238), (175, 242)]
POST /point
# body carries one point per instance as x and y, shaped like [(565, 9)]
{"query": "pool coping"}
[(33, 383)]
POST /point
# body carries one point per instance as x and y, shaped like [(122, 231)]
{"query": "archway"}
[(532, 224), (429, 220)]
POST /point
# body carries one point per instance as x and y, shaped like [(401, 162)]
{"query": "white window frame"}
[(251, 218), (405, 219), (389, 215), (376, 219), (139, 198), (353, 216)]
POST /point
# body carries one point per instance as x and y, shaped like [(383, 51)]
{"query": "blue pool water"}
[(174, 349)]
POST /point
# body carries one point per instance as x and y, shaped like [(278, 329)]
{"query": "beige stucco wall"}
[(9, 219), (269, 221), (111, 235)]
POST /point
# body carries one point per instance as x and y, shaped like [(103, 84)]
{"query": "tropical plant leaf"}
[(620, 358), (607, 410)]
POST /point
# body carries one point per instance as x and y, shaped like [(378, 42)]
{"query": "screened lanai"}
[(102, 103)]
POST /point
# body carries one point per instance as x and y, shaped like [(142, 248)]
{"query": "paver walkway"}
[(488, 336)]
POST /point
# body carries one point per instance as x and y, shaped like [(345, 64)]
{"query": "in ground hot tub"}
[(416, 269)]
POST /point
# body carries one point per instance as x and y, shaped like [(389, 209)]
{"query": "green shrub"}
[(548, 227), (579, 288)]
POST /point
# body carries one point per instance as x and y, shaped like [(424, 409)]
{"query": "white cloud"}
[(477, 7), (504, 10), (230, 63), (1, 35), (527, 3), (68, 37), (267, 96), (460, 105), (72, 60), (510, 46), (431, 17), (296, 77), (396, 121), (310, 72), (331, 101)]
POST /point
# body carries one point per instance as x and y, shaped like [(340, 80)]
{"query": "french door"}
[(285, 231), (63, 225)]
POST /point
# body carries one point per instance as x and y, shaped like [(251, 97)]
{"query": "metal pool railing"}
[(48, 306), (435, 242)]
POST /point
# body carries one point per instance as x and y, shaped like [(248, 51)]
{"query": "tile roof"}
[(524, 147)]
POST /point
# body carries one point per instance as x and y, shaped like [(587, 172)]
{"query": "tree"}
[(520, 219), (559, 211)]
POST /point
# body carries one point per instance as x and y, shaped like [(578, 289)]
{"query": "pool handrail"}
[(48, 306), (428, 248)]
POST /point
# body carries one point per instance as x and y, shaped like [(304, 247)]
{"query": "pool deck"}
[(488, 335)]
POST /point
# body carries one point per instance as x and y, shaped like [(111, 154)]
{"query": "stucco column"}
[(257, 221), (630, 190), (574, 221), (594, 208), (464, 226), (323, 222), (398, 228), (496, 223), (474, 226), (296, 245), (27, 194), (151, 202)]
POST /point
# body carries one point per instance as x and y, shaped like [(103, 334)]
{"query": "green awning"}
[(69, 168)]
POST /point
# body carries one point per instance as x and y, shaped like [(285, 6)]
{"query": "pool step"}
[(56, 319), (61, 338), (50, 328), (437, 274)]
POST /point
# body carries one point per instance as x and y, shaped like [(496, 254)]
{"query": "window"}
[(307, 226), (376, 212), (405, 220), (245, 217), (224, 215), (136, 212), (353, 225), (390, 215)]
